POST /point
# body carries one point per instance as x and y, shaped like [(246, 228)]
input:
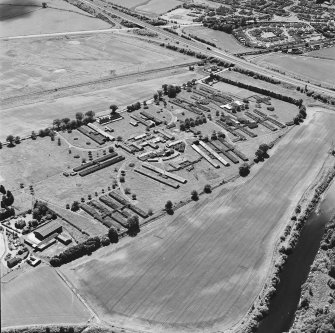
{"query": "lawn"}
[(38, 297), (205, 265), (47, 63), (24, 119), (222, 40), (30, 19), (308, 68)]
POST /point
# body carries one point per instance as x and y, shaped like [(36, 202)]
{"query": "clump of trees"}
[(194, 195), (68, 124), (169, 207), (207, 188), (244, 170), (7, 201), (262, 152), (133, 225)]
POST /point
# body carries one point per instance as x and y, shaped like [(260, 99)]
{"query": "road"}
[(99, 5)]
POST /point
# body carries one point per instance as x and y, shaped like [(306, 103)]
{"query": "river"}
[(295, 272)]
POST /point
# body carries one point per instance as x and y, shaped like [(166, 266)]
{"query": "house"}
[(47, 230)]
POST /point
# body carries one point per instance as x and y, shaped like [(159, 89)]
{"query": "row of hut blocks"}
[(164, 173), (102, 132)]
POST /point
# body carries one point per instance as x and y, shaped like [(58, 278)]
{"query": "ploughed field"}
[(39, 296), (205, 266)]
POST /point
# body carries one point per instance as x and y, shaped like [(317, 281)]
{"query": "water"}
[(294, 274)]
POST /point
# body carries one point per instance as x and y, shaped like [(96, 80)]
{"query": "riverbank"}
[(317, 302), (285, 245)]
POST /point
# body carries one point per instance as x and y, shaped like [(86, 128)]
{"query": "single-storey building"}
[(47, 230)]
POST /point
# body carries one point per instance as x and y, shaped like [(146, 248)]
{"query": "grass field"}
[(149, 6), (49, 63), (24, 119), (28, 18), (39, 296), (328, 53), (222, 40), (315, 70), (204, 266)]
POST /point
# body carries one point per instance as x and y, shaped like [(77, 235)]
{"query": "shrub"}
[(113, 235), (194, 195), (207, 188)]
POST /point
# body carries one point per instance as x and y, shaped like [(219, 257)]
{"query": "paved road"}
[(214, 52)]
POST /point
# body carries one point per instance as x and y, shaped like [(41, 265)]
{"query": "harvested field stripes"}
[(214, 153), (92, 134), (205, 156), (158, 179), (101, 166), (97, 160)]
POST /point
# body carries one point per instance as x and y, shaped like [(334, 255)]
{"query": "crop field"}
[(48, 63), (157, 7), (39, 296), (206, 264), (222, 40), (19, 18), (326, 53), (315, 70), (22, 120)]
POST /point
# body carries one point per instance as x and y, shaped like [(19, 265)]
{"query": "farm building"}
[(64, 239), (33, 261), (47, 230)]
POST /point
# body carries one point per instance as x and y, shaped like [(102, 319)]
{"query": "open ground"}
[(222, 40), (308, 68), (47, 63), (24, 301), (22, 120), (203, 267), (28, 18), (156, 7), (327, 53)]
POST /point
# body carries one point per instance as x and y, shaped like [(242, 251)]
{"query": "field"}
[(314, 70), (48, 63), (326, 53), (203, 267), (22, 120), (28, 18), (222, 40), (39, 296), (148, 6)]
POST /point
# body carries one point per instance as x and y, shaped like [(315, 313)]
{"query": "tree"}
[(169, 207), (10, 140), (79, 116), (2, 189), (194, 195), (133, 224), (113, 235), (113, 109), (244, 169), (75, 206), (171, 90), (90, 116), (33, 135), (207, 188), (56, 123), (119, 138)]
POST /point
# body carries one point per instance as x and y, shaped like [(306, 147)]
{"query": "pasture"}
[(28, 18), (308, 68), (48, 63), (222, 40), (326, 53), (203, 267), (22, 120), (37, 297), (156, 7)]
